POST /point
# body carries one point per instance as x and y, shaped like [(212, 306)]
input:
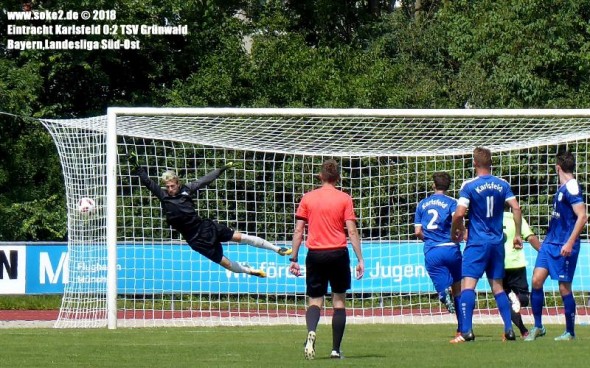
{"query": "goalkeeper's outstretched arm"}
[(147, 182), (210, 177), (144, 178)]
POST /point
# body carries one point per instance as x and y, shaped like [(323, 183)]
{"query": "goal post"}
[(127, 267), (111, 218)]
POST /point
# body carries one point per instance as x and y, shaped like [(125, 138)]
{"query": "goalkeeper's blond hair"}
[(169, 175)]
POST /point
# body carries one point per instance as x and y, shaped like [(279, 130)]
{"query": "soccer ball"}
[(86, 206)]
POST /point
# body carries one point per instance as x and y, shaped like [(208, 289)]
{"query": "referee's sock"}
[(338, 326), (312, 317)]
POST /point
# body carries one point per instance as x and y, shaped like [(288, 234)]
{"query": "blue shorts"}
[(560, 268), (480, 258), (443, 264)]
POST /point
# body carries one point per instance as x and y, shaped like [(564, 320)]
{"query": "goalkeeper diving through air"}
[(202, 235)]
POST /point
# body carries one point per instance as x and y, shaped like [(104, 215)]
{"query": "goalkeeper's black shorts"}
[(327, 266), (208, 238)]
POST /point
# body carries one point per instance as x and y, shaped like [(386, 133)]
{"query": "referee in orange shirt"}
[(327, 211)]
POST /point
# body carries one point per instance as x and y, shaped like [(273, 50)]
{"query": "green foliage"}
[(519, 53), (19, 87), (39, 219), (32, 199)]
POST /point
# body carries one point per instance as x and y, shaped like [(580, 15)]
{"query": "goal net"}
[(127, 267)]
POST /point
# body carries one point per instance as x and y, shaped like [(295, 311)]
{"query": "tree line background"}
[(280, 53)]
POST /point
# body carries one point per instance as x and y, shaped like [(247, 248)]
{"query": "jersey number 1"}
[(490, 206)]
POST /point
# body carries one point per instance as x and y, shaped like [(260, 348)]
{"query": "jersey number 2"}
[(432, 223)]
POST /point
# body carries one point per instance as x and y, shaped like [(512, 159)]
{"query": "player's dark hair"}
[(482, 157), (330, 172), (442, 180), (566, 161)]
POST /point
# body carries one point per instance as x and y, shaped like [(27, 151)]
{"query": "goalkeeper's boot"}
[(336, 355), (463, 337), (258, 273), (509, 335), (534, 333), (566, 336), (309, 350), (449, 303), (284, 251)]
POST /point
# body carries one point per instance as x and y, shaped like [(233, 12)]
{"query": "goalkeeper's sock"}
[(312, 317), (505, 308), (238, 268), (467, 306), (338, 326), (537, 298), (258, 242), (569, 310)]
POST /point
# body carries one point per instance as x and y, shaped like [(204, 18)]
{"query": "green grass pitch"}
[(282, 347)]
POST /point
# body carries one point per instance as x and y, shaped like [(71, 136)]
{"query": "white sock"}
[(258, 242), (238, 268)]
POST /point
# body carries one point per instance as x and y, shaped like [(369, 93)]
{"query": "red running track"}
[(51, 315)]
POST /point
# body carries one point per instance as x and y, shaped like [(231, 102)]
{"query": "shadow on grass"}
[(350, 357)]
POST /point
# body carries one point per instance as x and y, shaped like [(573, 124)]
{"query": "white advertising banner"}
[(13, 267)]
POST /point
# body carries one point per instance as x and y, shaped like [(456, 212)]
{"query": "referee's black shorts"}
[(207, 239), (327, 266)]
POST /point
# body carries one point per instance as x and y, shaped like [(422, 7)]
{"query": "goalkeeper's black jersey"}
[(180, 209)]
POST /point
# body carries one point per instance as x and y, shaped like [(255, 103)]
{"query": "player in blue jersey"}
[(484, 197), (442, 256), (558, 255)]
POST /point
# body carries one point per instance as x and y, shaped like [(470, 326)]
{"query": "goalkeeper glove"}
[(132, 158)]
